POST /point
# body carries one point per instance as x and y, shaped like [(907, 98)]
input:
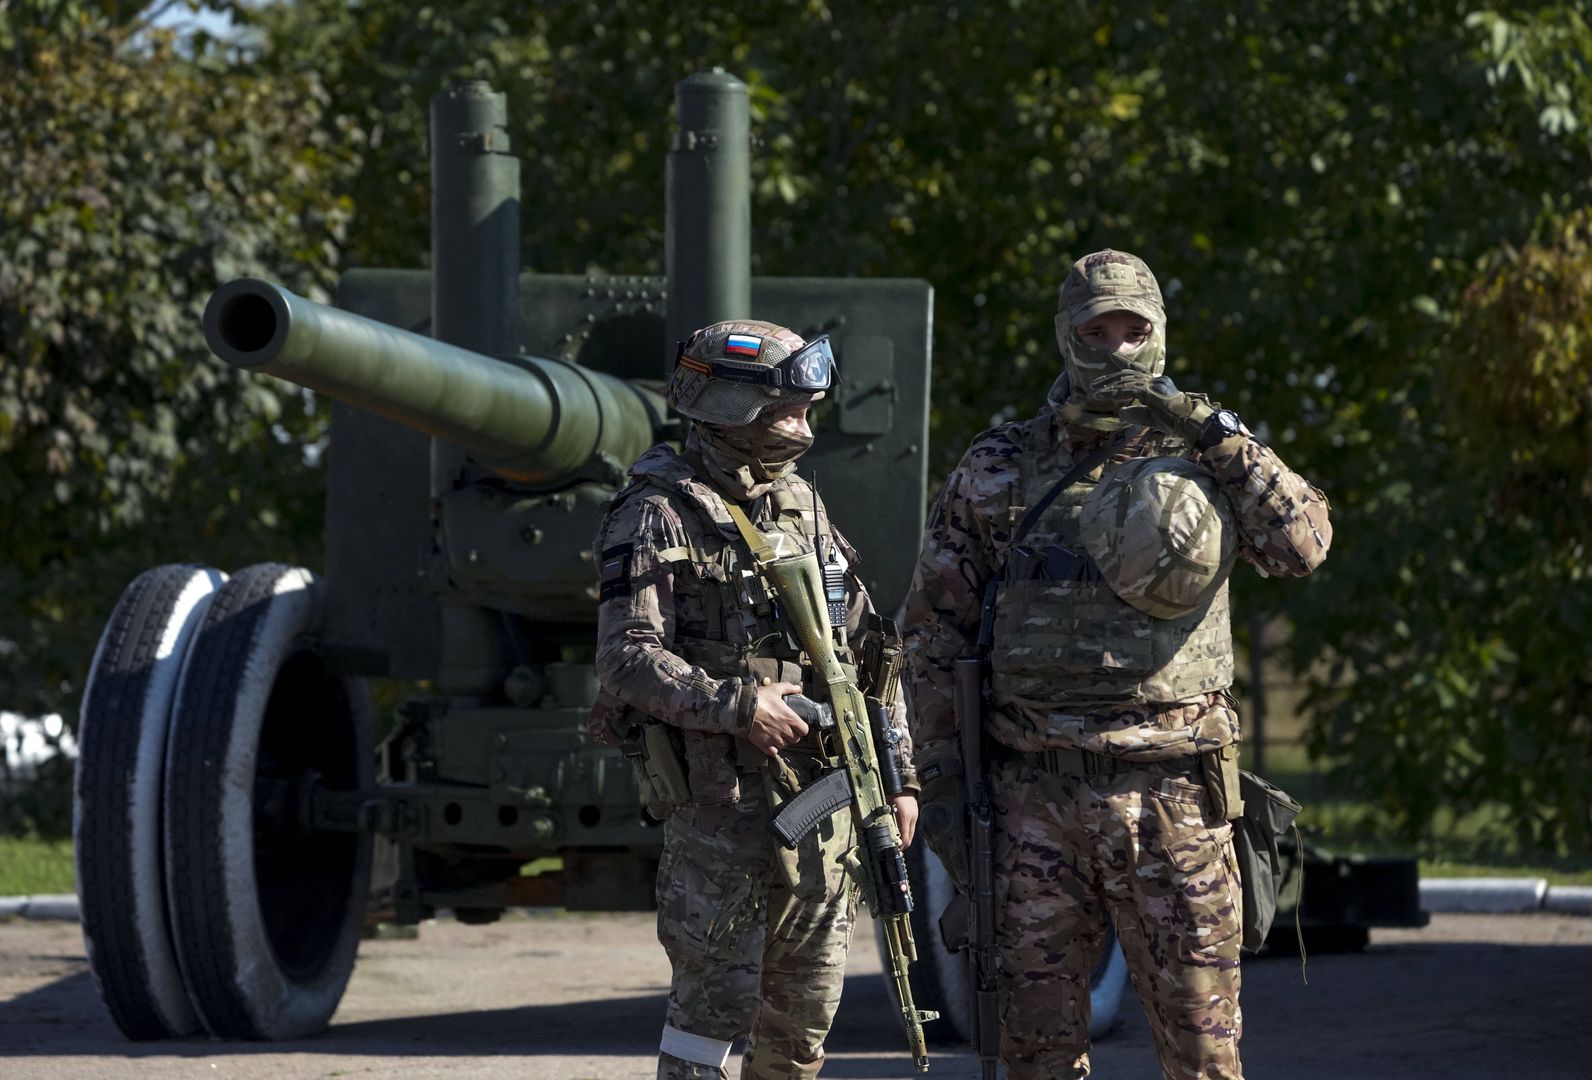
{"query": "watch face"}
[(1223, 424)]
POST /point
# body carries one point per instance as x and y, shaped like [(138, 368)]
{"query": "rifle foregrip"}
[(988, 1005), (969, 674), (890, 870)]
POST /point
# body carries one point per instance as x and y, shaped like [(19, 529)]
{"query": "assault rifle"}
[(858, 782), (983, 955)]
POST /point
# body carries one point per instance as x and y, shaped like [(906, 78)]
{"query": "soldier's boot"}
[(762, 1062)]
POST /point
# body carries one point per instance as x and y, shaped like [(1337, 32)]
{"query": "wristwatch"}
[(1223, 424)]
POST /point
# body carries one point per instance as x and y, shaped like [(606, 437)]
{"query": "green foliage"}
[(33, 867), (136, 181), (1521, 362), (1313, 184), (1467, 676)]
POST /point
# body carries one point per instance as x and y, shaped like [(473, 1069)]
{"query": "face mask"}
[(1082, 364), (766, 453)]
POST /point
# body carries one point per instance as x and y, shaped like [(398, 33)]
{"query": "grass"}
[(1459, 845), (1476, 843), (31, 867)]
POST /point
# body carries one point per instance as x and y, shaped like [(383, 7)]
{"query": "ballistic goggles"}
[(808, 370)]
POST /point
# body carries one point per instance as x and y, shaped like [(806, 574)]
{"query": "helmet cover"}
[(693, 392), (1162, 534)]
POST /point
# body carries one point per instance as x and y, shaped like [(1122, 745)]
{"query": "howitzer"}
[(538, 421), (239, 820), (881, 870)]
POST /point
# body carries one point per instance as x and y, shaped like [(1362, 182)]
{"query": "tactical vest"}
[(1074, 643), (737, 635)]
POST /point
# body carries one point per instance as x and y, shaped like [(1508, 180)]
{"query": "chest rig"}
[(727, 620), (1061, 637)]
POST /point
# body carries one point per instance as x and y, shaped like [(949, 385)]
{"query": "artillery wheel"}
[(939, 978), (116, 799), (266, 918)]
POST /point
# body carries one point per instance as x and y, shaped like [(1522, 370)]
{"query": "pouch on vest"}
[(662, 769), (1222, 782), (1268, 812)]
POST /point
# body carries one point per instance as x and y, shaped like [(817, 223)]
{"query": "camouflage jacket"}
[(682, 621), (1283, 531)]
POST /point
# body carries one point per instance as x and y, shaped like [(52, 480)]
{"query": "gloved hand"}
[(942, 821), (1156, 403)]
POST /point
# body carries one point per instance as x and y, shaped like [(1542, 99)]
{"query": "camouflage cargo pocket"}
[(710, 765), (703, 901), (1189, 862)]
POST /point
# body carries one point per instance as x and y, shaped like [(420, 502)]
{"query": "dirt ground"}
[(581, 998)]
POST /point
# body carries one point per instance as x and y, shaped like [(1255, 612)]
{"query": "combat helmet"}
[(1162, 533), (727, 373)]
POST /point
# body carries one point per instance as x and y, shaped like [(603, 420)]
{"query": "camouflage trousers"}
[(1143, 849), (757, 938)]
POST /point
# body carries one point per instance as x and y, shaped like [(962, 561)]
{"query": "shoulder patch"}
[(614, 571)]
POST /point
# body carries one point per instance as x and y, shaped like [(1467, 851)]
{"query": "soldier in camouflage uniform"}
[(689, 640), (1101, 715)]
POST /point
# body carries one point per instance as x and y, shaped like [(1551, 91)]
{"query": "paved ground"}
[(578, 998)]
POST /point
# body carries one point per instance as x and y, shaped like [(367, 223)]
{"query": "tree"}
[(1316, 190), (137, 180)]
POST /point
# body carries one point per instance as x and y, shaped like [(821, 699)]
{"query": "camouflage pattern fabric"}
[(1073, 643), (1101, 282), (759, 455), (1109, 281), (1162, 534), (750, 343), (757, 937), (1283, 530), (679, 605), (1142, 846), (1144, 849)]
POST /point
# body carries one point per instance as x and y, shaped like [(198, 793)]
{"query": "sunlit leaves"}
[(136, 181)]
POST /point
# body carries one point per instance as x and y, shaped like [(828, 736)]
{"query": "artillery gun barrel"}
[(530, 419)]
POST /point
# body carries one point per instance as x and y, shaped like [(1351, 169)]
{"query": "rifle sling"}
[(1079, 470)]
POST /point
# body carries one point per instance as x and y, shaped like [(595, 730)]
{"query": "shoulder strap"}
[(762, 552), (1078, 471)]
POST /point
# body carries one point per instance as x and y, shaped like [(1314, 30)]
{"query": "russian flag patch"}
[(743, 345)]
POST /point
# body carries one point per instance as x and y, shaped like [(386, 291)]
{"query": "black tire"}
[(266, 919), (117, 799), (940, 977)]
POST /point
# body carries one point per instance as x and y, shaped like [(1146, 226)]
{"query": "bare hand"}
[(905, 806), (774, 725)]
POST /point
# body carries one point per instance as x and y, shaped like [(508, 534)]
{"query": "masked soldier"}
[(696, 664), (1107, 524)]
